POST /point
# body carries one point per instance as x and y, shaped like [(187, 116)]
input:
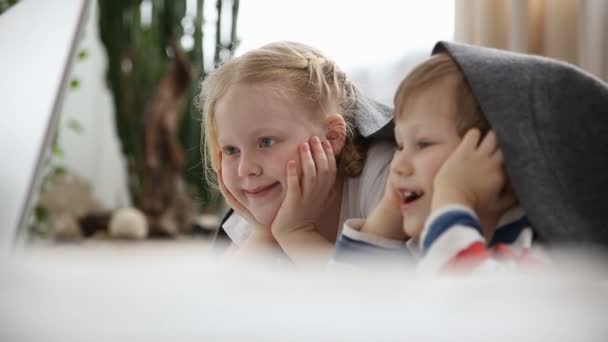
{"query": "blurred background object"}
[(155, 63), (138, 36), (128, 126), (5, 4)]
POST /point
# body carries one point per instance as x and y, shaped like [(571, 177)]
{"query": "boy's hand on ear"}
[(496, 207), (307, 197), (472, 175), (386, 219)]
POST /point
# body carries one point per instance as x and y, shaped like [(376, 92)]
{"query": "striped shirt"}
[(451, 242)]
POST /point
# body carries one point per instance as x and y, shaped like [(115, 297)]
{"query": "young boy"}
[(447, 180)]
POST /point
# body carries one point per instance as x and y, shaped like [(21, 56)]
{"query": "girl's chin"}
[(265, 219)]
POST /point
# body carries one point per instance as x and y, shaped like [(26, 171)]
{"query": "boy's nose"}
[(249, 166), (401, 166)]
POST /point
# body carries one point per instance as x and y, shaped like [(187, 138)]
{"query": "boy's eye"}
[(423, 144), (266, 142), (230, 150)]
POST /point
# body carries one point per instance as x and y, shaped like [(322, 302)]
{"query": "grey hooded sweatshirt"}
[(551, 120)]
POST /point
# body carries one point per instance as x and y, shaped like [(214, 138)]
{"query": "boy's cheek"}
[(435, 165)]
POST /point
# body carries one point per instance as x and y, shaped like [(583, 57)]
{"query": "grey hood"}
[(551, 120), (373, 119)]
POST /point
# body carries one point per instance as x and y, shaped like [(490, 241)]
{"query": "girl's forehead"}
[(263, 102), (245, 111), (256, 96)]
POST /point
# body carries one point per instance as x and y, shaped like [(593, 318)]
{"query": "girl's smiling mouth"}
[(261, 191)]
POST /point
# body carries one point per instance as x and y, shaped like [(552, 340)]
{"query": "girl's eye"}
[(230, 150), (399, 147), (266, 142)]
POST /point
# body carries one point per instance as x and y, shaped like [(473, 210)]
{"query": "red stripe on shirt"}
[(467, 259)]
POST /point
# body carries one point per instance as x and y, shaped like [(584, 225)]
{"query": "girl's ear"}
[(335, 131)]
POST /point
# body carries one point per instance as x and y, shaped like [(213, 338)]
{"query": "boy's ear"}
[(335, 131)]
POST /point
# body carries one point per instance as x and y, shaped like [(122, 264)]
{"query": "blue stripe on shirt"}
[(348, 248), (446, 221), (509, 233)]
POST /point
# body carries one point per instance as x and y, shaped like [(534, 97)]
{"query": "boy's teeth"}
[(410, 195)]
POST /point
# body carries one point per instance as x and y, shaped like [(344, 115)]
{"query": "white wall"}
[(95, 153)]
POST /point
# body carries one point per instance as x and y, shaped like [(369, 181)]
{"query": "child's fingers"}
[(505, 201), (293, 183), (470, 140), (308, 167), (331, 158), (331, 162), (488, 144), (319, 157), (498, 157), (326, 173)]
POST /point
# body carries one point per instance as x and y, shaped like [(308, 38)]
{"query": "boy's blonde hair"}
[(297, 71), (436, 69)]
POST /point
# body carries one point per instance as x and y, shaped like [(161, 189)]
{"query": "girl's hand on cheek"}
[(233, 203), (306, 197)]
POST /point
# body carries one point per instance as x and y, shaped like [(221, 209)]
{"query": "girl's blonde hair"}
[(435, 69), (296, 70)]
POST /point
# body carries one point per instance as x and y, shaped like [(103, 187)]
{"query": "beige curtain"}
[(575, 31)]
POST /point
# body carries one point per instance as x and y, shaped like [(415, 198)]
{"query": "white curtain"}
[(575, 31)]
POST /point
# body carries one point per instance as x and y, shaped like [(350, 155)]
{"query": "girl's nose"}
[(249, 166)]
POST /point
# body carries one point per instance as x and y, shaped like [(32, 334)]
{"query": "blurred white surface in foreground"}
[(152, 294)]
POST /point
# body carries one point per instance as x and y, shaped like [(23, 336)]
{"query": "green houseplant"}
[(138, 35)]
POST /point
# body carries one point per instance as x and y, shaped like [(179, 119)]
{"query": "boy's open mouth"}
[(409, 196)]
